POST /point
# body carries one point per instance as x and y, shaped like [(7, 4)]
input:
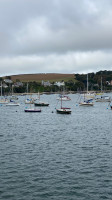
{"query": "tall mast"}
[(1, 88), (87, 83), (101, 84), (27, 87), (12, 89), (61, 101)]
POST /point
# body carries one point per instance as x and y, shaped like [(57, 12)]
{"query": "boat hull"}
[(86, 104), (63, 111), (41, 104), (14, 104), (32, 110), (103, 100)]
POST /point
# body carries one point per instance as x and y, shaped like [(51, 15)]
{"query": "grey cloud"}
[(54, 27)]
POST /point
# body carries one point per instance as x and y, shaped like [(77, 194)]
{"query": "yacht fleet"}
[(33, 104)]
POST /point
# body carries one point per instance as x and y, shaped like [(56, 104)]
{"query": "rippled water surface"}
[(56, 157)]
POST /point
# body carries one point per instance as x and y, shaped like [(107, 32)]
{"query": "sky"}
[(55, 36)]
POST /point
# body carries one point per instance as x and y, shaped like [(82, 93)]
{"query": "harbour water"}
[(49, 156)]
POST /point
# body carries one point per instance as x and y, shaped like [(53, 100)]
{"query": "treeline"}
[(94, 80), (78, 84)]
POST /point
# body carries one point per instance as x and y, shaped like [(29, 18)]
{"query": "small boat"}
[(63, 98), (103, 99), (14, 97), (89, 95), (13, 103), (29, 101), (64, 110), (88, 102), (32, 110), (41, 104), (4, 101)]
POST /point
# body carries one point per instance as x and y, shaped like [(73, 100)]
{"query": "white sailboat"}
[(13, 97), (102, 97), (63, 110), (3, 100), (64, 98), (32, 109), (40, 103), (85, 101), (29, 100), (13, 103)]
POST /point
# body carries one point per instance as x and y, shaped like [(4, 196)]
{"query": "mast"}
[(1, 88), (87, 83), (27, 87), (12, 89), (61, 101), (101, 84)]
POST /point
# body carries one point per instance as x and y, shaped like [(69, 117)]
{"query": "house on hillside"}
[(18, 84), (59, 84), (4, 85), (45, 84), (8, 81)]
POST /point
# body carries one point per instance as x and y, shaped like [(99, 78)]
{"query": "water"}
[(51, 156)]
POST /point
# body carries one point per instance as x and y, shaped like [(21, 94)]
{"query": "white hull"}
[(86, 104), (29, 102), (4, 102), (103, 100), (13, 104), (65, 98)]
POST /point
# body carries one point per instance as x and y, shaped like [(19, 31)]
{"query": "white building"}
[(59, 84), (47, 83), (8, 81)]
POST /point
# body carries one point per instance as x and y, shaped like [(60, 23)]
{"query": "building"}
[(45, 84), (59, 84), (8, 81)]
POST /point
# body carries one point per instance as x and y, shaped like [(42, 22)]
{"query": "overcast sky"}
[(55, 36)]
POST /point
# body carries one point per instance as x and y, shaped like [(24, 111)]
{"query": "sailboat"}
[(2, 99), (63, 110), (12, 100), (40, 103), (13, 97), (13, 103), (86, 101), (63, 98), (32, 109), (101, 97), (29, 100)]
